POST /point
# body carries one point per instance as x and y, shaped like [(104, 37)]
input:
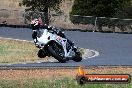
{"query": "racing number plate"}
[(61, 40)]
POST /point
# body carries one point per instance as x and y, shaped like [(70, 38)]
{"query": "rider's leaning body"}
[(36, 26)]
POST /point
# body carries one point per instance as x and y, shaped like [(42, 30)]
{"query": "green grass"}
[(17, 51), (82, 50), (57, 83)]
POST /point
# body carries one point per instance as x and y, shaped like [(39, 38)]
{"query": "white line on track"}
[(15, 39), (96, 53)]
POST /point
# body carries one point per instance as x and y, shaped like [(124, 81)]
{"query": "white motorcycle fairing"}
[(46, 37)]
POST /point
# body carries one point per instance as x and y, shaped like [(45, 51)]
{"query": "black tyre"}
[(41, 54), (55, 55), (78, 57)]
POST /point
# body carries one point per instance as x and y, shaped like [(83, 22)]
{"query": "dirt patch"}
[(36, 74), (57, 73)]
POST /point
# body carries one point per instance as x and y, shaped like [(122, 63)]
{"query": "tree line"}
[(97, 8)]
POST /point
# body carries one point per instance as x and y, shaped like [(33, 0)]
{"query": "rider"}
[(36, 25)]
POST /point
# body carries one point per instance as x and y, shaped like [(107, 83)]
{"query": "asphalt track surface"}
[(115, 49)]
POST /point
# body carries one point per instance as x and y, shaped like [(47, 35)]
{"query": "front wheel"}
[(41, 54), (55, 54), (78, 57)]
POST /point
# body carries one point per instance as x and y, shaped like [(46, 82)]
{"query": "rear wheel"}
[(57, 53), (78, 57)]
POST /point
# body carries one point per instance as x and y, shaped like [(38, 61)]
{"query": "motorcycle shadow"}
[(57, 62)]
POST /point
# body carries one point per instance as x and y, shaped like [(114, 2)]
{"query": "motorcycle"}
[(51, 44)]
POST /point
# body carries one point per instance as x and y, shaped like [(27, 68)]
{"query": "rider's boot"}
[(70, 42)]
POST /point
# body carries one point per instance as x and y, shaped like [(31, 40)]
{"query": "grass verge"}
[(12, 51), (63, 83), (56, 78)]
